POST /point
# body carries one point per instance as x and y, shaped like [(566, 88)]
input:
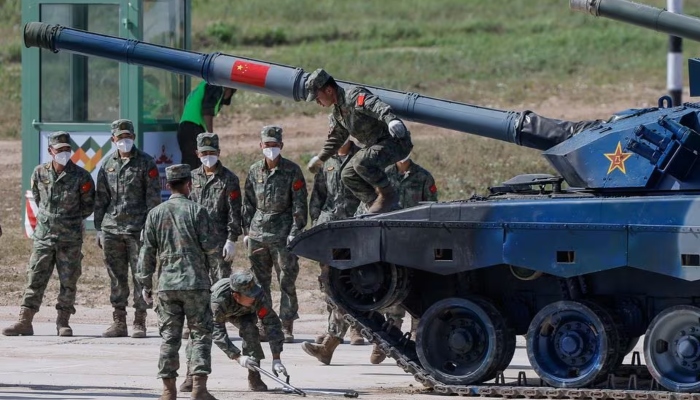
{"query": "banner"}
[(30, 211), (164, 148)]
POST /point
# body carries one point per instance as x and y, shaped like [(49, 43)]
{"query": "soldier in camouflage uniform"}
[(386, 140), (274, 211), (177, 238), (240, 301), (128, 187), (65, 194), (330, 201), (413, 184)]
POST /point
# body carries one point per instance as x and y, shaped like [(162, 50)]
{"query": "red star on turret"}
[(617, 159)]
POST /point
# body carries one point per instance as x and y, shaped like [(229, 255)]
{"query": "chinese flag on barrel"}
[(249, 73)]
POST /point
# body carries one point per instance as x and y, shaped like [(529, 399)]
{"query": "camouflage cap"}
[(244, 283), (315, 81), (122, 126), (177, 172), (59, 139), (271, 133), (207, 142)]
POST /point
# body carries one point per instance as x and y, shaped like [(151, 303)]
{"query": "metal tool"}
[(286, 387)]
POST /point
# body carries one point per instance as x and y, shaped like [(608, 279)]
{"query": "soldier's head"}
[(271, 141), (208, 149), (59, 147), (123, 135), (179, 178), (322, 88), (245, 290)]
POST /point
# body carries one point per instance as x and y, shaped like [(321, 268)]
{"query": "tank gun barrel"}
[(642, 15), (288, 82)]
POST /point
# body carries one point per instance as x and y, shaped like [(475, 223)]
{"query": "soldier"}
[(128, 187), (274, 211), (240, 301), (65, 194), (330, 201), (177, 237), (413, 184), (386, 140)]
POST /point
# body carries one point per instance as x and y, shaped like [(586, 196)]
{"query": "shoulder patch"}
[(86, 187), (361, 100), (298, 184), (262, 312), (433, 189), (234, 195), (153, 173)]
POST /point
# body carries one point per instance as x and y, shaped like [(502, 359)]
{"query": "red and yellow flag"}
[(249, 73)]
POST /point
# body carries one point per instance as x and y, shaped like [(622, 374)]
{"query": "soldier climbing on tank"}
[(386, 140)]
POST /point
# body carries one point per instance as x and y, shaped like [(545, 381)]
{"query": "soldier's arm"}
[(235, 203), (429, 189), (272, 324), (337, 135), (219, 334), (250, 202), (371, 105), (35, 181), (147, 255), (204, 229), (153, 187), (319, 193), (300, 208), (209, 100), (87, 195), (102, 198)]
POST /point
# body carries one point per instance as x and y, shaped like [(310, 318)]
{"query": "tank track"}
[(629, 381)]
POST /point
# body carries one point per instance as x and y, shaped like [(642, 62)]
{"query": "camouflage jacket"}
[(126, 191), (416, 185), (358, 113), (220, 195), (177, 237), (224, 307), (330, 199), (63, 200), (274, 205)]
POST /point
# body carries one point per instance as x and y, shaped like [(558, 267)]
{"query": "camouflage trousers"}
[(172, 307), (67, 258), (365, 170), (218, 267), (121, 252), (266, 256)]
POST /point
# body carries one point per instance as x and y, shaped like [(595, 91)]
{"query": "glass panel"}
[(163, 92), (76, 88)]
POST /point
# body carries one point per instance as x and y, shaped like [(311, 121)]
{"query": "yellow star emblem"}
[(240, 67), (617, 159)]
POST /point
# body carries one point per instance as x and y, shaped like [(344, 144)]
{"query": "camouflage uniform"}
[(274, 210), (331, 201), (64, 201), (363, 115), (127, 189), (177, 238), (220, 195)]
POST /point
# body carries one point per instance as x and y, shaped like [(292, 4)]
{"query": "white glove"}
[(397, 129), (245, 241), (229, 250), (147, 296), (100, 238), (289, 239), (314, 165), (248, 362), (278, 368)]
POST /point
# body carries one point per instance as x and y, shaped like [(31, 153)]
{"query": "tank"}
[(582, 263)]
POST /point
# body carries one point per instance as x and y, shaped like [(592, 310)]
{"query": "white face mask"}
[(125, 145), (209, 161), (62, 157), (271, 152)]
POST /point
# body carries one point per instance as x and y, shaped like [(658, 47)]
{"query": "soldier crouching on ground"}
[(65, 194), (177, 239), (240, 301)]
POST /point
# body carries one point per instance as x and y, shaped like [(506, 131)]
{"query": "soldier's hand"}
[(248, 362), (278, 368), (315, 165), (100, 238), (147, 296), (246, 241), (397, 129), (229, 250)]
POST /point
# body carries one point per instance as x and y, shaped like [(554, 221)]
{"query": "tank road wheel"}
[(672, 348), (572, 344), (368, 287), (462, 342)]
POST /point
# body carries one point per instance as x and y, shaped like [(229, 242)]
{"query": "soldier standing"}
[(413, 184), (240, 301), (65, 195), (128, 187), (331, 201), (385, 138), (177, 237), (274, 212)]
